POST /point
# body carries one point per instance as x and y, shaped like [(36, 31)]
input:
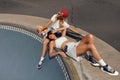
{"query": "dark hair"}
[(49, 33), (57, 34)]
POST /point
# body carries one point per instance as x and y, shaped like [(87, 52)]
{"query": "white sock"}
[(102, 63), (40, 62), (41, 59)]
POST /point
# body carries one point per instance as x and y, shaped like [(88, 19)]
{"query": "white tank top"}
[(59, 41)]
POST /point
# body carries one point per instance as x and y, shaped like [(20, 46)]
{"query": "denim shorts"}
[(50, 29)]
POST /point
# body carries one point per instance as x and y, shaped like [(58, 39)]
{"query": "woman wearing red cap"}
[(55, 24)]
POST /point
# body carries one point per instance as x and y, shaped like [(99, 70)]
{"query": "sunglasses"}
[(59, 13)]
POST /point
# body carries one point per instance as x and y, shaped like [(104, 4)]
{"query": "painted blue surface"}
[(19, 56)]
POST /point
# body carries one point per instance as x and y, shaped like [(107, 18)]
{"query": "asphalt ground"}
[(99, 17)]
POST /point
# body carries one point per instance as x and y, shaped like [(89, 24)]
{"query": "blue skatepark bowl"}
[(20, 51)]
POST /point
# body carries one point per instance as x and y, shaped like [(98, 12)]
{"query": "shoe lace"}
[(110, 69)]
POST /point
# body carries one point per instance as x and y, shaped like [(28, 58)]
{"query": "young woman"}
[(57, 23), (76, 49)]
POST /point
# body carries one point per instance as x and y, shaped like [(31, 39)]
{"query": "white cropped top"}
[(59, 41)]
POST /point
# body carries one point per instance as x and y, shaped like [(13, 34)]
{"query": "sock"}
[(102, 63), (41, 59)]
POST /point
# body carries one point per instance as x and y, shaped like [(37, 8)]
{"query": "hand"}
[(42, 32), (45, 31)]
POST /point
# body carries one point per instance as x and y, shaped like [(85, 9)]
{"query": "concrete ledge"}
[(109, 54), (78, 70), (29, 22), (71, 69)]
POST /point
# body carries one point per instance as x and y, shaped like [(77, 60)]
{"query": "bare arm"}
[(53, 19), (51, 48), (47, 25), (73, 29), (64, 32)]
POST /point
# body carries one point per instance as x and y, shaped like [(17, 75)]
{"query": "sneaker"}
[(109, 70), (93, 61), (39, 66)]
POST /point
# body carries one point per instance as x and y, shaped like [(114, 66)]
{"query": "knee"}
[(39, 28)]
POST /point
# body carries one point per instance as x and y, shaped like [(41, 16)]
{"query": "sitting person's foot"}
[(93, 61), (109, 70), (39, 66)]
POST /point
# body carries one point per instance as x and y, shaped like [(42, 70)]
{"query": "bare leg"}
[(45, 46), (87, 44), (44, 50)]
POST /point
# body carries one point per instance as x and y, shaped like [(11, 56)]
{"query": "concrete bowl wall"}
[(77, 70)]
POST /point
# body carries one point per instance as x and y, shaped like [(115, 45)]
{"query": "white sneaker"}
[(39, 66), (93, 61), (109, 70)]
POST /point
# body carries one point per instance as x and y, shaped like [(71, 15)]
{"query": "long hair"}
[(57, 34)]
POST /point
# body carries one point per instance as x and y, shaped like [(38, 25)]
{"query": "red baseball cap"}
[(64, 12)]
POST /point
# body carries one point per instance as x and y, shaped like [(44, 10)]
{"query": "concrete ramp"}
[(83, 69), (108, 53)]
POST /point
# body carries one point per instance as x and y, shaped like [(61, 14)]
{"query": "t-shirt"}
[(55, 24)]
